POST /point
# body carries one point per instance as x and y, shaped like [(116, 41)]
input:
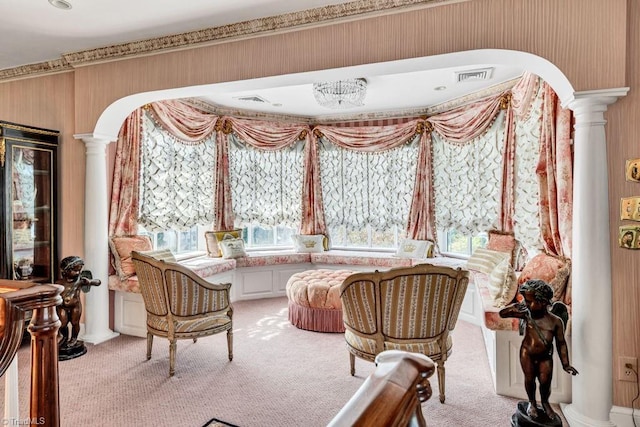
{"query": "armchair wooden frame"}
[(181, 305), (411, 309)]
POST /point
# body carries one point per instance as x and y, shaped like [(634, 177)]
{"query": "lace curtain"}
[(176, 185), (467, 180), (266, 186), (364, 188)]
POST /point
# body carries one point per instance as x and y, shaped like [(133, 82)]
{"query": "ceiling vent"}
[(474, 75), (251, 98)]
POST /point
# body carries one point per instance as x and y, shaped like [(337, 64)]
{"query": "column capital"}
[(95, 138), (589, 106)]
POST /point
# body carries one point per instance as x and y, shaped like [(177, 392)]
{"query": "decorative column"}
[(96, 239), (591, 337)]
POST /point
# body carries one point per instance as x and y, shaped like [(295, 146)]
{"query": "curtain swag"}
[(458, 126)]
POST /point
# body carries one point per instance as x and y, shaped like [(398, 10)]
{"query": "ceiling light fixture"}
[(60, 4), (340, 94)]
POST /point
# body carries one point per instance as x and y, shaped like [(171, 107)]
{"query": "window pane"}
[(383, 239), (284, 236), (358, 238), (479, 241), (262, 236), (188, 240), (167, 240), (457, 242)]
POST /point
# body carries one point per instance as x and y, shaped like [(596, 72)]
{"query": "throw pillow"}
[(496, 280), (503, 284), (552, 269), (505, 241), (309, 243), (410, 248), (121, 247), (232, 248), (485, 260), (213, 237), (509, 289)]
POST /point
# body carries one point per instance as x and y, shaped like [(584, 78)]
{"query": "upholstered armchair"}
[(412, 309), (181, 305)]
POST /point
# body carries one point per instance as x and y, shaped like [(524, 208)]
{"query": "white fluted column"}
[(96, 240), (591, 336)]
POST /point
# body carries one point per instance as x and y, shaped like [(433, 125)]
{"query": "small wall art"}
[(630, 208), (632, 170), (628, 236)]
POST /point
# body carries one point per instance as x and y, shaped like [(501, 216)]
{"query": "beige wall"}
[(623, 140), (586, 39)]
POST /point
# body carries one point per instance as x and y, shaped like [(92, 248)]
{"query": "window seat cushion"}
[(263, 258), (373, 259)]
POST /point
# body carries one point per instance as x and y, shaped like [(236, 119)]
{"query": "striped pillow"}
[(503, 284), (485, 260)]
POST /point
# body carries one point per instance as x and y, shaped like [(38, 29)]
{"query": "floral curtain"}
[(555, 171), (183, 121), (123, 214)]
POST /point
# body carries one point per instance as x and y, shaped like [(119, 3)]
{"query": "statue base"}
[(66, 352), (521, 419)]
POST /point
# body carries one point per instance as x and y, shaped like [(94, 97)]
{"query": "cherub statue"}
[(543, 325), (74, 280)]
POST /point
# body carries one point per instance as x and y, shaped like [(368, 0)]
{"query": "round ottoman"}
[(314, 300)]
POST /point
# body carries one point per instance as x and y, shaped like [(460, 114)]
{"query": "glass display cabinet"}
[(28, 166)]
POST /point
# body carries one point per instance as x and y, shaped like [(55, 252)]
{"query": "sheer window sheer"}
[(176, 185), (266, 186), (467, 180), (362, 190), (526, 216)]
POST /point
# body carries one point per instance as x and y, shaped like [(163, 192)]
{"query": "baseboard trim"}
[(623, 417)]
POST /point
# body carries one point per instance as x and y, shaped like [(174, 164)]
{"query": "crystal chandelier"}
[(347, 93)]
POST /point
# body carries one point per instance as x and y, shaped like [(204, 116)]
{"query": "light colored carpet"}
[(280, 376)]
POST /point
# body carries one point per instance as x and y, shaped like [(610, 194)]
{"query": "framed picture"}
[(630, 208), (628, 236), (632, 170)]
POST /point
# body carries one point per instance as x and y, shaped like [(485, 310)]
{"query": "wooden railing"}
[(392, 395), (16, 299)]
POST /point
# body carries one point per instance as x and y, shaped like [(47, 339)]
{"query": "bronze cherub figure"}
[(544, 323), (74, 280)]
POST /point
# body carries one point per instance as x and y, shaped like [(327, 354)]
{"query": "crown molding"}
[(311, 17)]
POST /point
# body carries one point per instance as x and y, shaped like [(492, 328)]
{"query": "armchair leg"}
[(230, 343), (441, 381), (172, 357), (352, 361), (149, 345)]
